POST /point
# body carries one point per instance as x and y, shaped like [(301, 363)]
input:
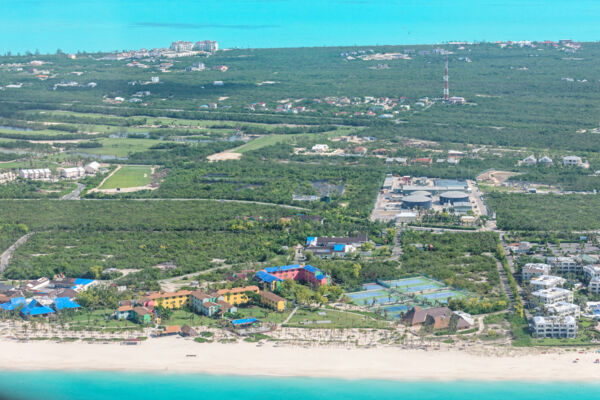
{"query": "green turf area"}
[(129, 176)]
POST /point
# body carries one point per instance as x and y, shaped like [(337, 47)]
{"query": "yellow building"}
[(172, 300), (238, 295), (273, 301)]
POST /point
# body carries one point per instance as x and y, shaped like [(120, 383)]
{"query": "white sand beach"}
[(175, 354)]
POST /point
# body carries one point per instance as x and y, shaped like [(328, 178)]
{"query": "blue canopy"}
[(35, 308), (244, 321)]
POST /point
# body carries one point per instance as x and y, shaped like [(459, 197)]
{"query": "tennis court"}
[(441, 296), (405, 282), (372, 286), (420, 288), (365, 295)]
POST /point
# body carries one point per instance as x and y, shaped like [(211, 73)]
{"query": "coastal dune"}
[(180, 355)]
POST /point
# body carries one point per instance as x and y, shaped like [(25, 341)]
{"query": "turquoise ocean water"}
[(27, 25), (138, 386)]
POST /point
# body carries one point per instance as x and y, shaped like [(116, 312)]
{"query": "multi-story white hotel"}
[(207, 45), (552, 296), (546, 282), (594, 285), (554, 327), (532, 270), (566, 265), (563, 309)]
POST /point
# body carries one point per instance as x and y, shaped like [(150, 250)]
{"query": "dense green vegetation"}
[(523, 212)]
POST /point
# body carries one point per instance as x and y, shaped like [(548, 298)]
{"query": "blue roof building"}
[(64, 303), (35, 308), (14, 303)]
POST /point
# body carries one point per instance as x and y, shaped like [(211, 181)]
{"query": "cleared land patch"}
[(128, 177)]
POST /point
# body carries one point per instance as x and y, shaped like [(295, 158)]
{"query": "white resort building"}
[(552, 296), (563, 309), (532, 270), (554, 327), (566, 265), (546, 282)]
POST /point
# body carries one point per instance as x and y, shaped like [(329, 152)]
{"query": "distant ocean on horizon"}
[(106, 25), (143, 386)]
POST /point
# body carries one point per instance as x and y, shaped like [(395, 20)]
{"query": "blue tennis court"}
[(440, 295), (396, 308), (420, 288), (365, 295), (372, 286), (405, 282)]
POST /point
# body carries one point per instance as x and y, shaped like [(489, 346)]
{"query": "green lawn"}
[(129, 176), (263, 314), (339, 319), (98, 319)]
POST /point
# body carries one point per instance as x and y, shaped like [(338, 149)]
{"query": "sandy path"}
[(97, 188)]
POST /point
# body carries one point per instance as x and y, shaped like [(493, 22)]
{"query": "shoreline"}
[(171, 356)]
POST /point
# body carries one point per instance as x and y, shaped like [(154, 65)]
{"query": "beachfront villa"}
[(272, 301), (554, 327), (438, 317), (271, 277)]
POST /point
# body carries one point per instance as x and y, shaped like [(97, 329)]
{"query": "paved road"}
[(5, 257), (74, 195)]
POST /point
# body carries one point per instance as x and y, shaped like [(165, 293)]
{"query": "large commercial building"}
[(416, 201), (453, 197), (554, 327)]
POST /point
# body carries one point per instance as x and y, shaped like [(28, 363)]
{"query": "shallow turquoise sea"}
[(134, 386), (27, 25)]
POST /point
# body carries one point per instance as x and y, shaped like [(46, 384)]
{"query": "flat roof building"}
[(552, 295), (546, 282), (532, 270), (563, 309), (554, 327)]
